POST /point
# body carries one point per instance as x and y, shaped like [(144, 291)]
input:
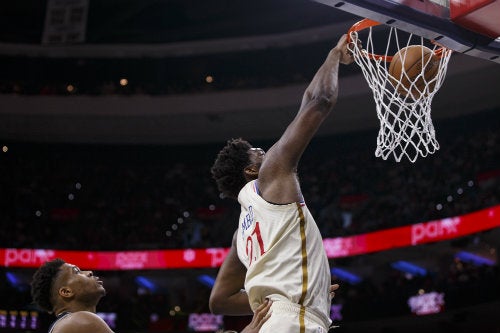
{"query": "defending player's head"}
[(59, 286), (42, 283), (236, 164)]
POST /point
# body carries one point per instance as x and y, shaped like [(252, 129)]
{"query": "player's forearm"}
[(323, 88), (233, 305)]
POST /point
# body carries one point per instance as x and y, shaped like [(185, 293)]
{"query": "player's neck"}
[(75, 307)]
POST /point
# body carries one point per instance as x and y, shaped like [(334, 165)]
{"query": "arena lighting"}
[(145, 283), (205, 322), (427, 303), (474, 259), (206, 280), (11, 277), (405, 266), (344, 275), (17, 281), (14, 320)]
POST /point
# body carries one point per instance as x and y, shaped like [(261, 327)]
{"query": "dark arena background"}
[(112, 112)]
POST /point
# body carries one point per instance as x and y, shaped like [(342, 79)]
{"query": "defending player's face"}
[(82, 284)]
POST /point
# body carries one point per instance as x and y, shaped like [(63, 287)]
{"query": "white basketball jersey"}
[(282, 249)]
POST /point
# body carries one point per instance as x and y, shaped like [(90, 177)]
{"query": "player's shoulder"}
[(82, 322)]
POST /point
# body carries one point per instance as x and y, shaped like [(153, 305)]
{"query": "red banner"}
[(415, 234), (420, 233), (117, 260)]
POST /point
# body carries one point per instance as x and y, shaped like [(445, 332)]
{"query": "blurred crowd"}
[(98, 197), (462, 284), (148, 197), (94, 197), (162, 76)]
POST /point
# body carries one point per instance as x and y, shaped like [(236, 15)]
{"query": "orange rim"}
[(367, 23)]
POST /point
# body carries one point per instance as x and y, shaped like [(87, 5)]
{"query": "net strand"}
[(404, 112)]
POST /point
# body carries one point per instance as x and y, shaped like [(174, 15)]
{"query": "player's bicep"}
[(231, 276), (230, 279)]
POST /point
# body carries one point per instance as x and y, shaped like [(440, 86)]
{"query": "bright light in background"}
[(123, 82), (206, 280), (474, 259), (409, 268), (426, 303), (145, 283), (17, 281), (5, 149), (206, 322), (70, 88), (344, 275), (209, 79)]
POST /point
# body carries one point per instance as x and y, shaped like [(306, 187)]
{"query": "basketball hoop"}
[(403, 103)]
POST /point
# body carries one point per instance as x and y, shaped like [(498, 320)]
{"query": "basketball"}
[(411, 69)]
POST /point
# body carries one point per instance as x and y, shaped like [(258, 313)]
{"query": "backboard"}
[(470, 27)]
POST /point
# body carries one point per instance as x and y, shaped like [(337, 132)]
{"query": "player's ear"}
[(65, 292), (251, 172)]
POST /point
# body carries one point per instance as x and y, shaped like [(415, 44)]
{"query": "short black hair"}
[(43, 280), (228, 169)]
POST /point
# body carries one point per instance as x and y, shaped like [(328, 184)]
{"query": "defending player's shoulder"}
[(82, 322)]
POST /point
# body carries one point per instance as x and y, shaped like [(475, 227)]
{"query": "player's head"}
[(57, 283), (236, 164), (41, 285)]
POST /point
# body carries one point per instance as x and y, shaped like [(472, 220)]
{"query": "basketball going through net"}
[(404, 72)]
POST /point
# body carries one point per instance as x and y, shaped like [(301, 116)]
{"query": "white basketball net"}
[(406, 127)]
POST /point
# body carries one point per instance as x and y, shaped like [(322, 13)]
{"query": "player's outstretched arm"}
[(277, 181), (325, 83)]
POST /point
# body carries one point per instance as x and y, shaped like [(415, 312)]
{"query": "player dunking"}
[(277, 252)]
